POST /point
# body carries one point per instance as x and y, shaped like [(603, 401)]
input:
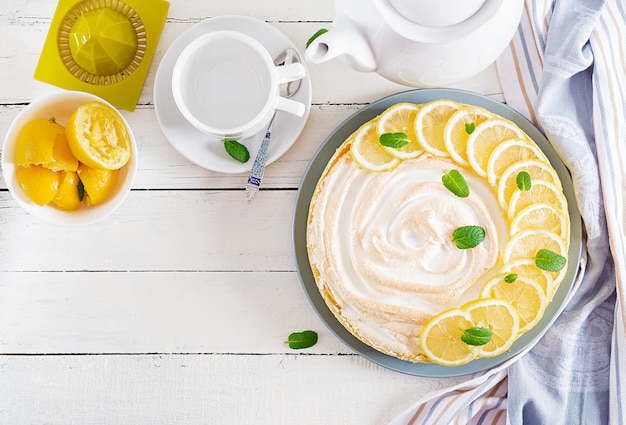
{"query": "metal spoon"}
[(285, 57)]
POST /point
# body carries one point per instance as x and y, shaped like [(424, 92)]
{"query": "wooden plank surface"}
[(174, 309), (201, 389)]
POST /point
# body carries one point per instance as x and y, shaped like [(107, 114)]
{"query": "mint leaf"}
[(314, 36), (236, 150), (523, 181), (455, 182), (476, 336), (304, 339), (510, 278), (468, 236), (549, 260), (394, 140), (470, 127), (80, 187)]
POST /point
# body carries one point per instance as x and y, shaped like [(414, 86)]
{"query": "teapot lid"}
[(439, 21), (440, 13)]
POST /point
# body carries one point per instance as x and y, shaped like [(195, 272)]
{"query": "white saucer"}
[(207, 151)]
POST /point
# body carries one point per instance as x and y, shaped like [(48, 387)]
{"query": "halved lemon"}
[(441, 338), (525, 295), (501, 318), (508, 153), (36, 141), (484, 139), (460, 125), (98, 183), (98, 136), (430, 123), (538, 171), (39, 183), (43, 142), (367, 151), (541, 192), (399, 118)]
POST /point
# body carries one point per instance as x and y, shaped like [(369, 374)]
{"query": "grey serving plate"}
[(301, 211)]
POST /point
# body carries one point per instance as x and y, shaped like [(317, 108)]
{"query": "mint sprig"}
[(456, 183), (304, 339), (477, 336), (236, 150), (510, 278), (523, 181), (549, 260), (80, 188), (394, 140), (468, 236), (470, 127)]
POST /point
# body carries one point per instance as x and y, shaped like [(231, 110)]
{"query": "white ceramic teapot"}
[(419, 43)]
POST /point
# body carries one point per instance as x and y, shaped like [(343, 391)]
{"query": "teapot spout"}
[(348, 44)]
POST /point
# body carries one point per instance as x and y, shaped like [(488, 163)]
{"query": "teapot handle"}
[(347, 43)]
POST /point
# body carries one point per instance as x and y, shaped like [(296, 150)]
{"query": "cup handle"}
[(291, 106), (291, 72)]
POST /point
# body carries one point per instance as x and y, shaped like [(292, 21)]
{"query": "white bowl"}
[(60, 106)]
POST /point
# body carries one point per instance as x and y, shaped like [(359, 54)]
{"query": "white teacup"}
[(226, 84)]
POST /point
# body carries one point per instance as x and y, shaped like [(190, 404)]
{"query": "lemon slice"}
[(460, 125), (541, 216), (367, 151), (501, 317), (508, 153), (524, 245), (525, 295), (441, 338), (430, 123), (538, 171), (399, 118), (529, 270), (541, 192), (98, 136), (484, 139)]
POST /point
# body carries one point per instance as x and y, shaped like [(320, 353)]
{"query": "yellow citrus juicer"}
[(103, 47)]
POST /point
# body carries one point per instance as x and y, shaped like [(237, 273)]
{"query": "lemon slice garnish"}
[(509, 152), (538, 170), (501, 317), (485, 138), (400, 118), (367, 151), (541, 192), (430, 124), (441, 338), (524, 294), (458, 129)]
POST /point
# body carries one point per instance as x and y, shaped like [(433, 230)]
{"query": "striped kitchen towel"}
[(565, 70)]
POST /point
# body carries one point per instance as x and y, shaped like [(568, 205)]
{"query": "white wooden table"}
[(174, 310)]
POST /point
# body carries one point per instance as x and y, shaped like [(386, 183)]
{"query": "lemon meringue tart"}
[(438, 233)]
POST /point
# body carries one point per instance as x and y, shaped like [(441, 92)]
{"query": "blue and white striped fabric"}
[(566, 71)]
